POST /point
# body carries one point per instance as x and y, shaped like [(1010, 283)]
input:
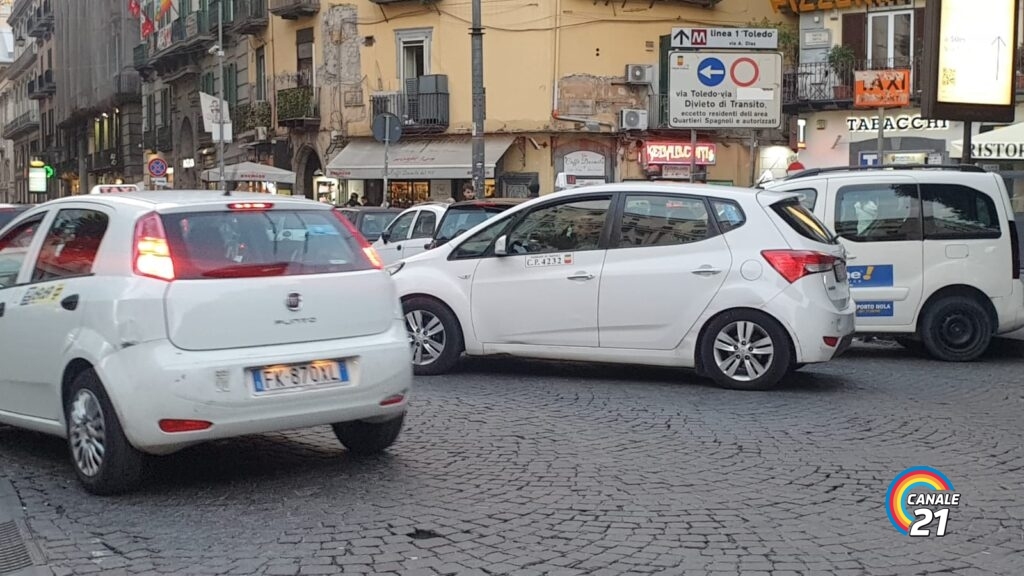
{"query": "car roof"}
[(686, 188), (171, 199), (369, 209), (507, 202)]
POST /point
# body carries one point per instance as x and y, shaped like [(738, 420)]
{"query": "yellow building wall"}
[(519, 46)]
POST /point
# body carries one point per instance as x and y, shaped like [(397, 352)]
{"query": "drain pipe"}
[(555, 68)]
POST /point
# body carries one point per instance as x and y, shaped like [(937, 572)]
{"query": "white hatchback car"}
[(745, 287), (410, 231), (148, 322)]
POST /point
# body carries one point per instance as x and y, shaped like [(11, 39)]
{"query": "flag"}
[(165, 7), (147, 27), (134, 8)]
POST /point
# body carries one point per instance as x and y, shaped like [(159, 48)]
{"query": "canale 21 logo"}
[(919, 497)]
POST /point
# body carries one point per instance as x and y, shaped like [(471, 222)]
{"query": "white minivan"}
[(934, 257)]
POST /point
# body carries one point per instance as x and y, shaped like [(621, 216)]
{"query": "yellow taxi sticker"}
[(42, 294)]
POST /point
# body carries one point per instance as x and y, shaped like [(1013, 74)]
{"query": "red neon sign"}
[(678, 153)]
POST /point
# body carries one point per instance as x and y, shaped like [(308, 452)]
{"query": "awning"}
[(447, 159), (250, 172), (1006, 143)]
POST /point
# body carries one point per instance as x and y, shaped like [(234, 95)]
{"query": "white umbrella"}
[(250, 172)]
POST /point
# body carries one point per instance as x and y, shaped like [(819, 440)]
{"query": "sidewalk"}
[(18, 556)]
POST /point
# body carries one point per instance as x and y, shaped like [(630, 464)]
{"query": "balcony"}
[(22, 125), (127, 86), (140, 56), (34, 93), (164, 141), (41, 22), (817, 86), (23, 62), (294, 9), (149, 139), (419, 113), (252, 115), (46, 83), (298, 107), (198, 30), (251, 16), (104, 161)]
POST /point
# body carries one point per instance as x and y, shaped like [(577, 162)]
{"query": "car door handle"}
[(706, 271), (70, 303), (582, 276), (398, 246), (3, 308)]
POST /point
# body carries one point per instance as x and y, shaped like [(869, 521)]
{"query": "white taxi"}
[(142, 323)]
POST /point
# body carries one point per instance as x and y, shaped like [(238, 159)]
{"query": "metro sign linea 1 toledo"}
[(725, 90), (749, 38)]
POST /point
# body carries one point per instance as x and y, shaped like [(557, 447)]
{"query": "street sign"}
[(37, 180), (157, 167), (881, 88), (725, 90), (745, 38), (387, 128)]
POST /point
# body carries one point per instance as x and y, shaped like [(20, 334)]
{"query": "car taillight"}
[(795, 264), (151, 255), (1015, 263), (250, 206), (369, 253)]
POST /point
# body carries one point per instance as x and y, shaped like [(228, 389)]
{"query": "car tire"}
[(368, 438), (433, 352), (747, 369), (92, 423), (956, 329)]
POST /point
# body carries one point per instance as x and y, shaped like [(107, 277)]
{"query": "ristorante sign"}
[(998, 150), (678, 153), (804, 6)]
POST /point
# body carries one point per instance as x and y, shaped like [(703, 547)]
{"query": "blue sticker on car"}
[(879, 309), (880, 275)]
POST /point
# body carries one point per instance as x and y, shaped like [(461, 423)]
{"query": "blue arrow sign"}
[(711, 72)]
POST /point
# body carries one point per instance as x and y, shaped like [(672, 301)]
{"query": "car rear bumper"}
[(810, 317), (155, 381), (1010, 310)]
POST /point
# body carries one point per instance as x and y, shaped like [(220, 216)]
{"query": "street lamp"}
[(20, 41)]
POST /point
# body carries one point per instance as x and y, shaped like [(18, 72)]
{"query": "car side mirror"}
[(385, 236), (428, 246), (501, 246)]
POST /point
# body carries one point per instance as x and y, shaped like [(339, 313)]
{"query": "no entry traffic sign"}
[(709, 90)]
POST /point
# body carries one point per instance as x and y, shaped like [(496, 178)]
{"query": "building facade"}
[(178, 61), (23, 129), (6, 106), (560, 106), (97, 107)]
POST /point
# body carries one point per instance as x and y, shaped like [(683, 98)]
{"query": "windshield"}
[(460, 219)]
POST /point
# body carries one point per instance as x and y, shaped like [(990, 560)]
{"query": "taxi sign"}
[(114, 189)]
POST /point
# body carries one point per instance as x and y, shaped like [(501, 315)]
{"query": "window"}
[(878, 213), (573, 225), (479, 244), (891, 39), (165, 108), (71, 245), (459, 219), (413, 53), (235, 244), (149, 119), (958, 212), (801, 220), (808, 196), (14, 248), (399, 229), (261, 74), (728, 214), (231, 85), (663, 221), (425, 225), (304, 52)]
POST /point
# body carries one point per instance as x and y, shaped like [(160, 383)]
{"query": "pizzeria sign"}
[(678, 153)]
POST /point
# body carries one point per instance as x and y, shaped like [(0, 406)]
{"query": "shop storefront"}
[(672, 160), (584, 161), (418, 170), (850, 138)]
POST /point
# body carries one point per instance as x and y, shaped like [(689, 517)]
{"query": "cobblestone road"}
[(526, 468)]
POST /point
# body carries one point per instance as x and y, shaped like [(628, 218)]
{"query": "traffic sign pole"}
[(881, 136), (693, 156), (387, 152)]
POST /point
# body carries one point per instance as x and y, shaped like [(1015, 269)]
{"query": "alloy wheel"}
[(426, 336), (744, 351), (88, 432)]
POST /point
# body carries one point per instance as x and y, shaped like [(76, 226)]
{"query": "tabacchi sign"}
[(678, 153)]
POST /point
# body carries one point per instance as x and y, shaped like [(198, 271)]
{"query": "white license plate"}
[(296, 376)]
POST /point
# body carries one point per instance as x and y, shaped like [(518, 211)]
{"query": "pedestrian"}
[(467, 192), (353, 200), (534, 190)]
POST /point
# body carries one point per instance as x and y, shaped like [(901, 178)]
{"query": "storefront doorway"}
[(405, 193)]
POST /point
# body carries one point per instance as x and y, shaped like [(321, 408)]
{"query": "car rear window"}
[(9, 214), (457, 220), (375, 222), (801, 220), (242, 244)]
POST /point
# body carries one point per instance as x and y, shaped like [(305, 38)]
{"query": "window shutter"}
[(855, 28), (918, 35)]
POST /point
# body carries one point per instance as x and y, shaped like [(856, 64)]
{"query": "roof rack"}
[(957, 167)]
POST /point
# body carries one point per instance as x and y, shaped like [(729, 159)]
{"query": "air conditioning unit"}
[(632, 119), (261, 133), (639, 74)]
